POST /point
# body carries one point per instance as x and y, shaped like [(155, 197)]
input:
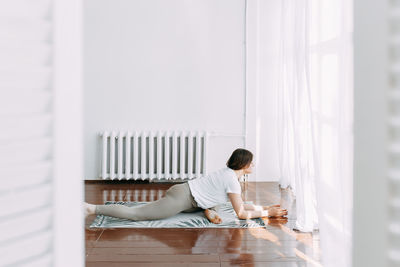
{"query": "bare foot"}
[(89, 209), (212, 216)]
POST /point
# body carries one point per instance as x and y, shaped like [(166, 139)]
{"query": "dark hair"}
[(239, 159)]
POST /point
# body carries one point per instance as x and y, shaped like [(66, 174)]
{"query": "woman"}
[(202, 193)]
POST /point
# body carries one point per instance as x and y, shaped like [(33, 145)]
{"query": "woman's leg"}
[(193, 209), (177, 198)]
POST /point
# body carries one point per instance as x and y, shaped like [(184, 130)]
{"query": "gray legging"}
[(178, 198)]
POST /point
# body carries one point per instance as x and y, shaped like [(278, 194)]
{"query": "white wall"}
[(269, 65), (262, 53), (156, 64)]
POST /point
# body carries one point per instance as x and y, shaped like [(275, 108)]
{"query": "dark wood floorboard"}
[(275, 245)]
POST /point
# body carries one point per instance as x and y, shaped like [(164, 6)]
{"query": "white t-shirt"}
[(211, 190)]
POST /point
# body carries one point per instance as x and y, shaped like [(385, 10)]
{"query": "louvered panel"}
[(394, 135), (31, 56), (23, 151), (26, 138), (26, 9), (18, 227), (35, 78), (394, 121), (39, 102), (41, 261), (25, 127), (32, 30), (27, 175), (394, 174), (394, 95), (38, 196), (24, 250)]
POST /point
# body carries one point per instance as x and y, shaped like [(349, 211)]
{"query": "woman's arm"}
[(242, 213), (258, 207)]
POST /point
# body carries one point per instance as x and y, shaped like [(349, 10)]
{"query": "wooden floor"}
[(275, 245)]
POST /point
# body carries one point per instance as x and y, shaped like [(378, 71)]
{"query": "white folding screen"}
[(26, 141), (38, 80), (375, 84), (394, 133)]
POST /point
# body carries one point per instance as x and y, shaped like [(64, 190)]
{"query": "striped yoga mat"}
[(181, 220)]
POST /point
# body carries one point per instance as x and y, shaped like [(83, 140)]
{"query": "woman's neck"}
[(239, 173)]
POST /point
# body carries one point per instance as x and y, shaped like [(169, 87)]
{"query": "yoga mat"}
[(181, 220)]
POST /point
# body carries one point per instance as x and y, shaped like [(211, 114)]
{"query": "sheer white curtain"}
[(315, 120), (297, 143)]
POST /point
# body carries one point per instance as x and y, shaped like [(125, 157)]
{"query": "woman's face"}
[(249, 168)]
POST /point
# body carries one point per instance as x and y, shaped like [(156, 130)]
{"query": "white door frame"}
[(69, 249)]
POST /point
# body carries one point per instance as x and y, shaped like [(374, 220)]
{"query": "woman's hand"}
[(276, 211), (256, 211)]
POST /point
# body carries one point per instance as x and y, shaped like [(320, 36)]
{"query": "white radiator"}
[(153, 155)]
